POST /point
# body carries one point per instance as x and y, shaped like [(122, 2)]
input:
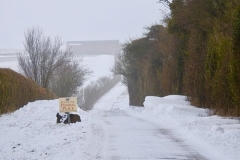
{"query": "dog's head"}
[(59, 117)]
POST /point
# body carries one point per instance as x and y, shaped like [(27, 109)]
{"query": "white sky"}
[(77, 19)]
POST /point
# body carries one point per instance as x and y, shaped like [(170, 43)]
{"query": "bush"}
[(89, 95), (69, 78), (17, 90)]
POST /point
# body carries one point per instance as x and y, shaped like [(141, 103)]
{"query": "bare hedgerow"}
[(90, 94)]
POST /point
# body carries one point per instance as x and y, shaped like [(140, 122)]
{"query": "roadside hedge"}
[(17, 90)]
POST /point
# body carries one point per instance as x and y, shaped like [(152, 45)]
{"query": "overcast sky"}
[(74, 20)]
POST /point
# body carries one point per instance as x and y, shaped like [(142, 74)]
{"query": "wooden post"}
[(68, 114)]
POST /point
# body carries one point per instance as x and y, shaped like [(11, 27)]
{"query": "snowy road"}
[(128, 137), (166, 128)]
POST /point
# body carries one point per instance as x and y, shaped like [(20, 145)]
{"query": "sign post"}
[(67, 105), (68, 114)]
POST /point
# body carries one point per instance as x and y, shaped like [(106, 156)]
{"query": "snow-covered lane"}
[(127, 137), (130, 133)]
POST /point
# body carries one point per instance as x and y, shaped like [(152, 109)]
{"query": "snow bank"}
[(172, 104), (222, 134), (32, 133)]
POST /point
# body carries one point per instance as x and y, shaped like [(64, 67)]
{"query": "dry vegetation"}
[(90, 94), (17, 90), (197, 53)]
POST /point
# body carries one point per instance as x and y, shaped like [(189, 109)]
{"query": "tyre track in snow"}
[(128, 137)]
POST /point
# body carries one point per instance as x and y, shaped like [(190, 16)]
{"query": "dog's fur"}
[(64, 119)]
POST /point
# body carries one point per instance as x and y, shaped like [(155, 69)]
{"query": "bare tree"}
[(165, 2), (45, 63), (42, 57), (69, 78)]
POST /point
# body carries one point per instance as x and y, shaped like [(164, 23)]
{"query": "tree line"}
[(196, 53), (87, 96)]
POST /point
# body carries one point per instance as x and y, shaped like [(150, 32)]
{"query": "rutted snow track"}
[(128, 137)]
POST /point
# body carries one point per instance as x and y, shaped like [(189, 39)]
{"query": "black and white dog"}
[(64, 119)]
